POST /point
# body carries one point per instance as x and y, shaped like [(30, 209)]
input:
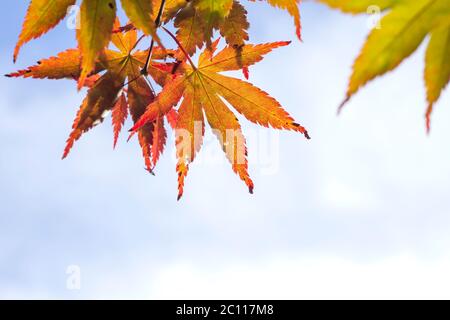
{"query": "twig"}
[(144, 70)]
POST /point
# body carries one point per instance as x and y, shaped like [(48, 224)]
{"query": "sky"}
[(360, 211)]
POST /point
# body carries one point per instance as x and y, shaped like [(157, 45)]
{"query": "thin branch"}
[(160, 13), (144, 70)]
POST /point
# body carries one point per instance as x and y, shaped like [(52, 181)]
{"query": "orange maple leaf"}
[(202, 90)]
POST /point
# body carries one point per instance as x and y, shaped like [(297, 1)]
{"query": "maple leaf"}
[(127, 65), (234, 28), (191, 31), (42, 15), (201, 90), (402, 30), (104, 93)]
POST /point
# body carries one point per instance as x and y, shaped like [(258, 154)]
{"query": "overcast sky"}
[(360, 211)]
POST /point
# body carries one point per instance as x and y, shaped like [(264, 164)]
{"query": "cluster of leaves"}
[(119, 75), (401, 31)]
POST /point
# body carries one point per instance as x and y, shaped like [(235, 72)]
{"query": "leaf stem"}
[(181, 47), (137, 42)]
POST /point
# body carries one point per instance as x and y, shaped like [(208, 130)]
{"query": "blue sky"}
[(361, 210)]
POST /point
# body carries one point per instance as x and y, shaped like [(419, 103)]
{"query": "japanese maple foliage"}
[(120, 76)]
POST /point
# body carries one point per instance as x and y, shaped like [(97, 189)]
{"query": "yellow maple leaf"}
[(402, 30)]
